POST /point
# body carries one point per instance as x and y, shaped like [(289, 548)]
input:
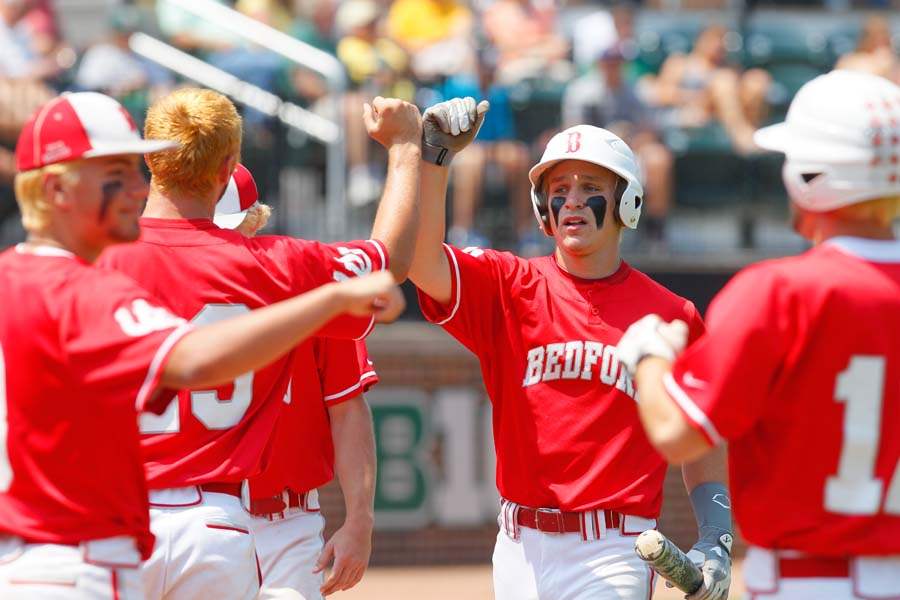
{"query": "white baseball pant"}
[(204, 547), (870, 578), (288, 548), (105, 569), (565, 566)]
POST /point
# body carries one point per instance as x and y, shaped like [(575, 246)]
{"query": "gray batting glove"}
[(450, 126), (713, 556)]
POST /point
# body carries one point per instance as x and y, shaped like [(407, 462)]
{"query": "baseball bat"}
[(669, 561)]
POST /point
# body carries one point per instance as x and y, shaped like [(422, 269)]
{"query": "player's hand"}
[(454, 123), (256, 218), (350, 547), (391, 121), (650, 336), (714, 559), (374, 294)]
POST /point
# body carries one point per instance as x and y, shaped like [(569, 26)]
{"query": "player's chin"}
[(577, 244), (128, 231)]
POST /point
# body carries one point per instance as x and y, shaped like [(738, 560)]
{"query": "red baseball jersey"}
[(325, 372), (206, 274), (566, 426), (800, 370), (81, 351)]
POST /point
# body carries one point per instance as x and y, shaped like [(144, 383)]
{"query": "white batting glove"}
[(650, 336), (450, 126)]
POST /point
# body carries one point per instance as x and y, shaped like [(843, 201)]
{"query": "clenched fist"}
[(391, 121), (450, 126)]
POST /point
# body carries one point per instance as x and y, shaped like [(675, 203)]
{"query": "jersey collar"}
[(44, 251), (620, 274), (879, 251)]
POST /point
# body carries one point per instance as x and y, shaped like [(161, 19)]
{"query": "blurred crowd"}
[(542, 64)]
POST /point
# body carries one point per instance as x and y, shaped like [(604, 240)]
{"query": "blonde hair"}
[(33, 204), (208, 128)]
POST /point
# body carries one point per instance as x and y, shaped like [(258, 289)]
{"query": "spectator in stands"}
[(700, 87), (436, 34), (526, 38), (604, 97), (599, 31), (112, 68), (376, 66), (30, 45), (31, 55), (874, 52), (496, 145)]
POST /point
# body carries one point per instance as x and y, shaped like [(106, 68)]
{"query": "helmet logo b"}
[(573, 143)]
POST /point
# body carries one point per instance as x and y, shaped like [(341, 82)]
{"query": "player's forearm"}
[(354, 458), (217, 353), (667, 428), (397, 219), (430, 270), (711, 467)]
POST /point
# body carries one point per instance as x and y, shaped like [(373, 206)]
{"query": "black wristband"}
[(436, 155)]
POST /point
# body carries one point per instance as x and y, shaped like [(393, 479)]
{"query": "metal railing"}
[(300, 53)]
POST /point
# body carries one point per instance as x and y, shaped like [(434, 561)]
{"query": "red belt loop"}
[(813, 566)]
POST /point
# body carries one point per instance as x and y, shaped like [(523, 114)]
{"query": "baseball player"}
[(199, 454), (82, 349), (326, 427), (800, 366), (576, 474)]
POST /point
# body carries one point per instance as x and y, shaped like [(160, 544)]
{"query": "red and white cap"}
[(240, 196), (80, 125)]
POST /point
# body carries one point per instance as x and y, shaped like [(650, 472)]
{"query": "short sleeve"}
[(344, 369), (473, 313), (117, 339), (315, 264), (722, 381)]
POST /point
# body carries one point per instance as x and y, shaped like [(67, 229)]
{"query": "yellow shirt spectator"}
[(416, 24)]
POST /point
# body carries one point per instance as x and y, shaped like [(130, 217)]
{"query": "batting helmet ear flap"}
[(541, 210), (628, 203)]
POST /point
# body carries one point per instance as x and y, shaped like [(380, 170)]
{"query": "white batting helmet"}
[(841, 140), (600, 147)]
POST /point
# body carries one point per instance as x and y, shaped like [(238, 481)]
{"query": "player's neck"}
[(595, 265), (176, 205), (63, 239), (829, 228)]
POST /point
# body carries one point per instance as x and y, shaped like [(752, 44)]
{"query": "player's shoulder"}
[(786, 274), (656, 294)]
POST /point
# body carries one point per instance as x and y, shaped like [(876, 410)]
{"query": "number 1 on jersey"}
[(855, 490)]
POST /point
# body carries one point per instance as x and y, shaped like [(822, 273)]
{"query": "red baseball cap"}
[(240, 196), (80, 125)]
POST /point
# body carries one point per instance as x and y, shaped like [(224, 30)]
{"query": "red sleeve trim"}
[(354, 390), (695, 416), (154, 373), (456, 298)]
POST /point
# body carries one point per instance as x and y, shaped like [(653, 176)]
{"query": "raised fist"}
[(452, 125), (391, 121)]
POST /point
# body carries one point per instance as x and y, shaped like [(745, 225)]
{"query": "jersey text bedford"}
[(577, 360)]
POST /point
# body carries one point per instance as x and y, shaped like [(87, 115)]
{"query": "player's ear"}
[(226, 168), (54, 190)]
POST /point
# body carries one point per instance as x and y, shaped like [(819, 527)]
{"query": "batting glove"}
[(650, 336), (450, 126), (713, 556)]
